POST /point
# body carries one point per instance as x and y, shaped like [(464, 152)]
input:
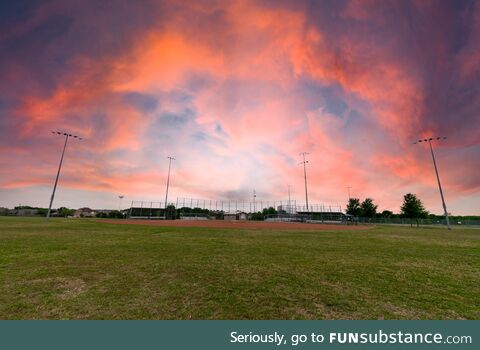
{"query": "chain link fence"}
[(419, 222)]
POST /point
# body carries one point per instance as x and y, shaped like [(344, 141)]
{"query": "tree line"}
[(412, 208)]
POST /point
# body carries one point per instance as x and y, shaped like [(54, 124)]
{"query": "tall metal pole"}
[(58, 175), (305, 176), (120, 201), (289, 202), (67, 135), (439, 185), (348, 188), (254, 206), (168, 182), (438, 177)]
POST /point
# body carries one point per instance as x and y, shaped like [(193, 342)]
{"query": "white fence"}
[(157, 209)]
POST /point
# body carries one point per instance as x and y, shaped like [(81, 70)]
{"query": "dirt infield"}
[(237, 224)]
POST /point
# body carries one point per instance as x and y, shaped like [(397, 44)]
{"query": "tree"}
[(412, 207), (63, 211), (258, 216), (368, 208), (115, 214), (353, 207), (170, 212), (42, 211), (269, 211), (387, 214)]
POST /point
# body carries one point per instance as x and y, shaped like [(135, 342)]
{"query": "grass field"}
[(81, 269)]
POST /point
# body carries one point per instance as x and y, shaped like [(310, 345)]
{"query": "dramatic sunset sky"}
[(235, 90)]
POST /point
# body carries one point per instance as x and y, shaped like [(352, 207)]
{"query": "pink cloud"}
[(230, 104)]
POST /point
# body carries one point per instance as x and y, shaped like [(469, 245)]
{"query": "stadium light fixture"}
[(67, 136), (304, 162), (429, 140), (120, 197), (168, 182)]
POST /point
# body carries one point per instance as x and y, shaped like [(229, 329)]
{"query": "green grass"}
[(81, 269)]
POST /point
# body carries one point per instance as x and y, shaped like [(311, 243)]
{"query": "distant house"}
[(84, 213), (103, 211)]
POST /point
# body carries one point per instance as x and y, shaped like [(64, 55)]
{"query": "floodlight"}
[(438, 177), (59, 168)]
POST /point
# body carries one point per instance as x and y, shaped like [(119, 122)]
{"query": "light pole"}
[(254, 205), (348, 189), (168, 183), (120, 201), (67, 135), (429, 140), (289, 202), (303, 154)]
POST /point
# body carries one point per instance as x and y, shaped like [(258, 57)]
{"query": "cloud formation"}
[(235, 91)]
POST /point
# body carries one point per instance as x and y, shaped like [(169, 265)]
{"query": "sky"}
[(235, 91)]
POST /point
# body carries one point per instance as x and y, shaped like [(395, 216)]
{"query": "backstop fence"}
[(235, 206), (189, 207)]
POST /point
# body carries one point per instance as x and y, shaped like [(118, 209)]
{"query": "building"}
[(237, 216), (242, 216), (230, 217), (24, 212), (84, 213)]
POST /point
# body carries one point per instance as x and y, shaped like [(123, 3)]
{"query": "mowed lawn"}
[(82, 269)]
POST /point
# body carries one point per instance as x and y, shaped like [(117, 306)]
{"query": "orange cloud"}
[(236, 99)]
